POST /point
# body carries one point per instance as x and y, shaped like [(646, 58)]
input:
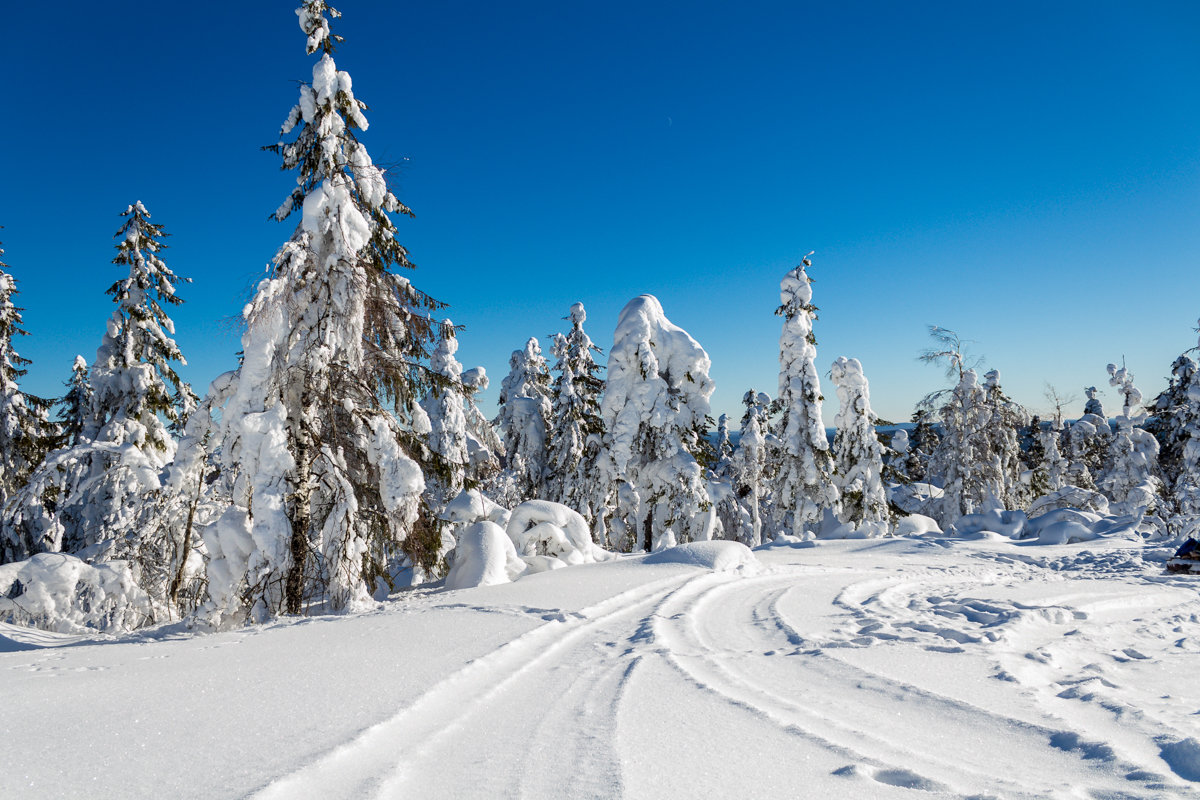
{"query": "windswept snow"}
[(861, 668)]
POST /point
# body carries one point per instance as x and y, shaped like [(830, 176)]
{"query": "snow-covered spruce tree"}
[(748, 464), (1007, 418), (724, 447), (962, 449), (91, 499), (322, 414), (24, 429), (922, 444), (1175, 417), (857, 454), (75, 406), (655, 411), (445, 405), (1093, 404), (577, 430), (1130, 475), (524, 424), (484, 447), (804, 488)]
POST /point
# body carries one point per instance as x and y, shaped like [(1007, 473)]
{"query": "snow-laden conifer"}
[(964, 416), (76, 404), (91, 498), (1004, 468), (484, 447), (1130, 475), (804, 487), (322, 415), (446, 408), (922, 444), (1175, 419), (524, 423), (655, 410), (577, 435), (857, 454), (24, 429), (749, 462)]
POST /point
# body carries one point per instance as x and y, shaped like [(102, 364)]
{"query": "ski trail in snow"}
[(384, 760), (717, 636)]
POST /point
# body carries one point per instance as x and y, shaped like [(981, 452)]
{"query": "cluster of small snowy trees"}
[(346, 456)]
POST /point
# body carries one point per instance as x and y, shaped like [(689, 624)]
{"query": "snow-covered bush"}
[(655, 410), (58, 592), (545, 528)]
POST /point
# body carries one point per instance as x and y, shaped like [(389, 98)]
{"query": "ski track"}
[(801, 687), (384, 760), (540, 712)]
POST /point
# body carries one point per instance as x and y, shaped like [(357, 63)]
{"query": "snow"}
[(860, 668)]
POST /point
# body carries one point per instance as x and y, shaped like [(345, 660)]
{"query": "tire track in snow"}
[(966, 746), (382, 760)]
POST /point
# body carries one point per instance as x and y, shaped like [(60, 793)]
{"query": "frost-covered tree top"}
[(1130, 395), (133, 378), (1093, 405)]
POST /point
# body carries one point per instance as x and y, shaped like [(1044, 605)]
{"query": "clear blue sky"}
[(1025, 173)]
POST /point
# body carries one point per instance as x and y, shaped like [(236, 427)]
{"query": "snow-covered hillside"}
[(900, 667)]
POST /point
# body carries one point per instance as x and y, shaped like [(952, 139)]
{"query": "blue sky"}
[(1027, 174)]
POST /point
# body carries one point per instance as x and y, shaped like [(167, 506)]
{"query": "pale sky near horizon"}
[(1027, 174)]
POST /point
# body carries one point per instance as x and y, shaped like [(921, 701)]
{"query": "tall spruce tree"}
[(804, 487), (577, 431), (322, 422)]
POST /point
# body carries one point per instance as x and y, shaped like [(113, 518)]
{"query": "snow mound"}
[(916, 525), (483, 556), (1006, 523), (543, 528), (719, 556)]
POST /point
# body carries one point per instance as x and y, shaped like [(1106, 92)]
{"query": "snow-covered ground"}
[(870, 668)]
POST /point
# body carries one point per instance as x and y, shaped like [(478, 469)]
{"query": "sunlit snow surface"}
[(868, 668)]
